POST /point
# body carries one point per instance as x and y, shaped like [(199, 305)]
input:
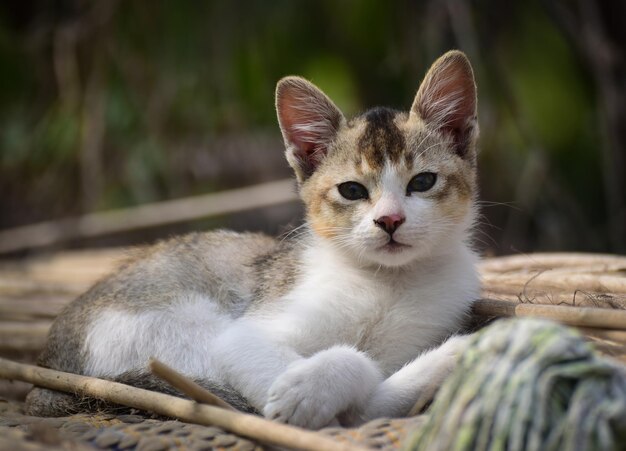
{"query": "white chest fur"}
[(393, 317)]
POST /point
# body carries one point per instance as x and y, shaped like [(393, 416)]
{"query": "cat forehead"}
[(381, 139), (382, 136)]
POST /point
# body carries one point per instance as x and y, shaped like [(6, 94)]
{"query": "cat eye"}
[(421, 182), (352, 191)]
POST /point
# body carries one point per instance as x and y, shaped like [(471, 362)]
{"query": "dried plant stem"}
[(251, 426), (147, 215), (23, 336), (573, 316), (557, 260), (613, 336), (600, 283), (549, 297), (186, 385)]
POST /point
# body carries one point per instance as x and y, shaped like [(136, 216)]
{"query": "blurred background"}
[(109, 105)]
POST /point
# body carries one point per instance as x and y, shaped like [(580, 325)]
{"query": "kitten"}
[(341, 320)]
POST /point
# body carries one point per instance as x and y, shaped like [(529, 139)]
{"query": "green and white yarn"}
[(528, 385)]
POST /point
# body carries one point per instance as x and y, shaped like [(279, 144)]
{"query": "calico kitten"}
[(342, 320)]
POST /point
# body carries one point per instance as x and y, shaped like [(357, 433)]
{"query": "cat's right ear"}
[(309, 121)]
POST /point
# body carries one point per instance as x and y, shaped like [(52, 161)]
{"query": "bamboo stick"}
[(610, 266), (614, 336), (29, 336), (549, 260), (21, 284), (550, 297), (573, 316), (610, 350), (247, 425), (549, 280), (186, 385), (147, 215), (79, 267), (30, 309)]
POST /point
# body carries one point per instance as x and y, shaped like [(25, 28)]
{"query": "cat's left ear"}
[(446, 100), (309, 121)]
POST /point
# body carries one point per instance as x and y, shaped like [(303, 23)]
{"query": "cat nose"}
[(390, 223)]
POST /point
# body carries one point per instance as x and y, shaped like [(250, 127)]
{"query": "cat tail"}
[(43, 402)]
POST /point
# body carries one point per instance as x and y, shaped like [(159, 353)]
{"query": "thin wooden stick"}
[(573, 316), (186, 385), (247, 425), (572, 260), (613, 336), (147, 215), (554, 280), (549, 297), (26, 336)]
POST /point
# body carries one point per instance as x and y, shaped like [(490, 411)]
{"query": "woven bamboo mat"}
[(33, 291), (128, 431)]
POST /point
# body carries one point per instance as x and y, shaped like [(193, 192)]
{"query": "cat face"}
[(386, 187)]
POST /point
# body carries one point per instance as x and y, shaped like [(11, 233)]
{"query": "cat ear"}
[(446, 99), (309, 121)]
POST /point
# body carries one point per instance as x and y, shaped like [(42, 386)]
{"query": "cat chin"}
[(393, 257)]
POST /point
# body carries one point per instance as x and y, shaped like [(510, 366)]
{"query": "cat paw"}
[(294, 399), (312, 392)]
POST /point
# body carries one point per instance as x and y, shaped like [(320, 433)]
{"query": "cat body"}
[(338, 321)]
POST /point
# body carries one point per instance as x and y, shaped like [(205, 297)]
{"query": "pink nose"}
[(390, 223)]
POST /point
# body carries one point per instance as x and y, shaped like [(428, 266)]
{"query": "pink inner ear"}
[(309, 122), (449, 98), (300, 130), (295, 120)]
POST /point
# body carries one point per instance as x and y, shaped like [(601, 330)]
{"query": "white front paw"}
[(295, 398), (312, 392)]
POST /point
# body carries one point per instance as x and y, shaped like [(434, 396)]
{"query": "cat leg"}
[(41, 402), (247, 360), (417, 381), (308, 392), (312, 392)]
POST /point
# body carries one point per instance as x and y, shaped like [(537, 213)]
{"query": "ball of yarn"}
[(528, 385)]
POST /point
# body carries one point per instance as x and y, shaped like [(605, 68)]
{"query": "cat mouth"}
[(394, 246)]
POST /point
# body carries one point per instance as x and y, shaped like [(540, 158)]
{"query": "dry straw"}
[(246, 425)]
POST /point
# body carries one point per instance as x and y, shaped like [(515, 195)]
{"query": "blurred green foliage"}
[(106, 104)]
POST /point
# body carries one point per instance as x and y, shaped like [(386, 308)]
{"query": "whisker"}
[(485, 203)]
